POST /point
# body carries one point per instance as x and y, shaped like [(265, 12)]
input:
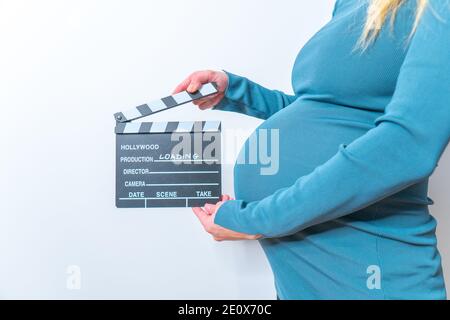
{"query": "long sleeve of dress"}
[(247, 97), (401, 150)]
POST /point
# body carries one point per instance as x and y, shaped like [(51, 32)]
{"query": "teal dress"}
[(346, 215)]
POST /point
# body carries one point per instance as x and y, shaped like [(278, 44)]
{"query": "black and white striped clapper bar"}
[(167, 164)]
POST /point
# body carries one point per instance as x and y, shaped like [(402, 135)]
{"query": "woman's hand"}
[(197, 79), (206, 216)]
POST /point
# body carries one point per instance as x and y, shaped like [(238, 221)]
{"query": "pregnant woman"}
[(346, 215)]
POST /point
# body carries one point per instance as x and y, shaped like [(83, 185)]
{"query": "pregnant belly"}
[(310, 133)]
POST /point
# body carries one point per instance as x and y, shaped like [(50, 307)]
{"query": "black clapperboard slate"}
[(149, 174)]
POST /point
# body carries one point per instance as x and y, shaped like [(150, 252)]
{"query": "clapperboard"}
[(167, 164)]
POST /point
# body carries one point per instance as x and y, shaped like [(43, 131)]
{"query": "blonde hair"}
[(377, 13)]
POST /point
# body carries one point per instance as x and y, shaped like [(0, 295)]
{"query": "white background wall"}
[(65, 68)]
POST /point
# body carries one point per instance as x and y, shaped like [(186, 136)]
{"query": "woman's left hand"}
[(206, 216)]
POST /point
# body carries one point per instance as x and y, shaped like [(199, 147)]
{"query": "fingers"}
[(205, 99), (217, 232), (182, 86), (226, 197), (210, 208), (201, 215), (198, 79), (209, 102), (195, 81)]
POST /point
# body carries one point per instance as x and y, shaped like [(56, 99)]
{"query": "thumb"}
[(198, 79), (194, 86)]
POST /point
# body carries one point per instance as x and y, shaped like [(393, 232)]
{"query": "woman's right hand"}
[(197, 79)]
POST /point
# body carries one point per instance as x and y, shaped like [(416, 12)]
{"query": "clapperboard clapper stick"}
[(167, 164)]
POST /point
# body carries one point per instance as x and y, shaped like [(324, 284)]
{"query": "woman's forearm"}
[(245, 96)]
